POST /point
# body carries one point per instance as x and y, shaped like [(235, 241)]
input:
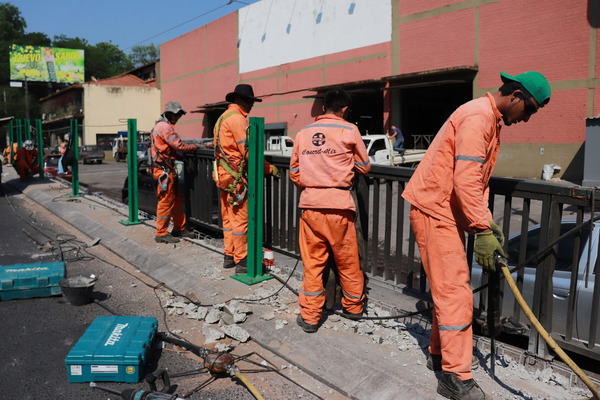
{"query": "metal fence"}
[(391, 255)]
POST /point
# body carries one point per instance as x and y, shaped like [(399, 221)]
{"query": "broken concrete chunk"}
[(211, 334), (235, 332), (280, 323), (213, 316), (268, 316)]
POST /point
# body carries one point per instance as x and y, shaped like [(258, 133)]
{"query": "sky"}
[(124, 23)]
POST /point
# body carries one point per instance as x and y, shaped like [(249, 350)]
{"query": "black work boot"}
[(241, 267), (228, 262), (308, 328), (434, 362), (450, 386), (183, 234), (166, 239)]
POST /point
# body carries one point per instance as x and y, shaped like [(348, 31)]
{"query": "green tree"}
[(144, 54), (104, 60)]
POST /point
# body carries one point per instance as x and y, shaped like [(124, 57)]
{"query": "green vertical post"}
[(255, 203), (11, 139), (40, 146), (132, 179), (19, 134), (75, 149), (27, 129)]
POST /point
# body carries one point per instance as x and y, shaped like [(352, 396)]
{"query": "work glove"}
[(276, 173), (498, 232), (486, 245)]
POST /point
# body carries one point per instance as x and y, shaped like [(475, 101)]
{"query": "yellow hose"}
[(563, 356), (250, 387)]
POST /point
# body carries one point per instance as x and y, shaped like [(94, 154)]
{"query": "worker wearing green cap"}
[(448, 193)]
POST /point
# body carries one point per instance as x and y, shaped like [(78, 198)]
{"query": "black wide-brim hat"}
[(244, 91)]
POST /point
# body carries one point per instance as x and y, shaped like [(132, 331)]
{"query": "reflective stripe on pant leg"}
[(178, 213), (315, 252), (225, 216), (444, 260), (239, 230), (164, 205), (341, 234)]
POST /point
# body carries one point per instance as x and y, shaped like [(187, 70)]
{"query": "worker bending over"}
[(449, 193), (324, 160), (231, 174), (166, 148), (26, 160)]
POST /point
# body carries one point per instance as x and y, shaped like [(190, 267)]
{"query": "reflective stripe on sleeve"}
[(469, 158), (240, 142), (329, 126), (362, 164), (172, 137), (239, 234), (295, 169)]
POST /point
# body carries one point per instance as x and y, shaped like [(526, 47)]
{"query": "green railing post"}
[(255, 203), (132, 178), (27, 129), (75, 149), (19, 134), (40, 146), (11, 140)]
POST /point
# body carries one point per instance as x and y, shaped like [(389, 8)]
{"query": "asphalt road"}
[(107, 177), (38, 333)]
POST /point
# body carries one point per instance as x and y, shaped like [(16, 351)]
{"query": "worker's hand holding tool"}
[(497, 232), (276, 173), (485, 246)]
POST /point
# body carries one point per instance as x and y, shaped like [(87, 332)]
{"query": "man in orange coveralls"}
[(26, 160), (448, 193), (166, 148), (326, 155), (231, 174)]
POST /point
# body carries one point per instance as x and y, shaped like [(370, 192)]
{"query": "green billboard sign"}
[(46, 64)]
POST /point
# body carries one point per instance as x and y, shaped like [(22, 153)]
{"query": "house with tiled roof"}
[(102, 108)]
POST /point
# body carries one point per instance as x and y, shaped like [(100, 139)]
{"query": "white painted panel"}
[(274, 32)]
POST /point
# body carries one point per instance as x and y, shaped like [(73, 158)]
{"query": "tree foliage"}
[(144, 54)]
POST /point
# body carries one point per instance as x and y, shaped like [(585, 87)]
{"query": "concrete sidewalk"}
[(359, 360)]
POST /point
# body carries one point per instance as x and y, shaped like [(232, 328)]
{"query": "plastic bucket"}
[(77, 291)]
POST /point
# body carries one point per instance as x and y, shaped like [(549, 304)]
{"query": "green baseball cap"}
[(535, 83)]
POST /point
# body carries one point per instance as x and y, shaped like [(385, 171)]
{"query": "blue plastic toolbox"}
[(114, 349), (24, 281)]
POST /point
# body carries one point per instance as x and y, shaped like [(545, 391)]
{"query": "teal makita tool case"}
[(114, 349), (25, 281)]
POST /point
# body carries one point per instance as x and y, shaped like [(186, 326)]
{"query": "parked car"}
[(147, 186), (51, 167), (142, 149), (561, 279), (91, 153)]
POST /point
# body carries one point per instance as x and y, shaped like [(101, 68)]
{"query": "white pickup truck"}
[(279, 146), (380, 151)]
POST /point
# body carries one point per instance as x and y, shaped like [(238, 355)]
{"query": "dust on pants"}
[(322, 230), (170, 205), (235, 227), (442, 248)]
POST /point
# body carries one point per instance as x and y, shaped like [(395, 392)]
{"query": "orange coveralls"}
[(231, 131), (449, 195), (26, 160), (166, 148), (325, 157)]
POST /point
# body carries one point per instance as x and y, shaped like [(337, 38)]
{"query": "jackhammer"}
[(152, 394)]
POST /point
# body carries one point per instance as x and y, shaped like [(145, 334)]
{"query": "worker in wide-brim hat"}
[(231, 174)]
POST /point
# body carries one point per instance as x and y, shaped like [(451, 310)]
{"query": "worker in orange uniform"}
[(8, 158), (325, 157), (231, 174), (448, 193), (26, 160), (166, 148)]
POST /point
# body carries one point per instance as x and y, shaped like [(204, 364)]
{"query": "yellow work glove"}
[(486, 245), (498, 232), (276, 173)]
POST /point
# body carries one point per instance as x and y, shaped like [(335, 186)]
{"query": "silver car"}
[(561, 279)]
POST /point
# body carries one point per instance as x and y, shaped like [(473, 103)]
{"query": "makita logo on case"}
[(116, 334)]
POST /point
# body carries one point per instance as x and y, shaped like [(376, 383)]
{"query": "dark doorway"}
[(365, 112)]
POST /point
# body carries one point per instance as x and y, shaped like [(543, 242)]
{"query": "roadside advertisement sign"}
[(46, 64)]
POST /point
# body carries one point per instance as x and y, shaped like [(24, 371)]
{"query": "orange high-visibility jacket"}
[(232, 141), (451, 182), (325, 156), (167, 145), (26, 158)]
